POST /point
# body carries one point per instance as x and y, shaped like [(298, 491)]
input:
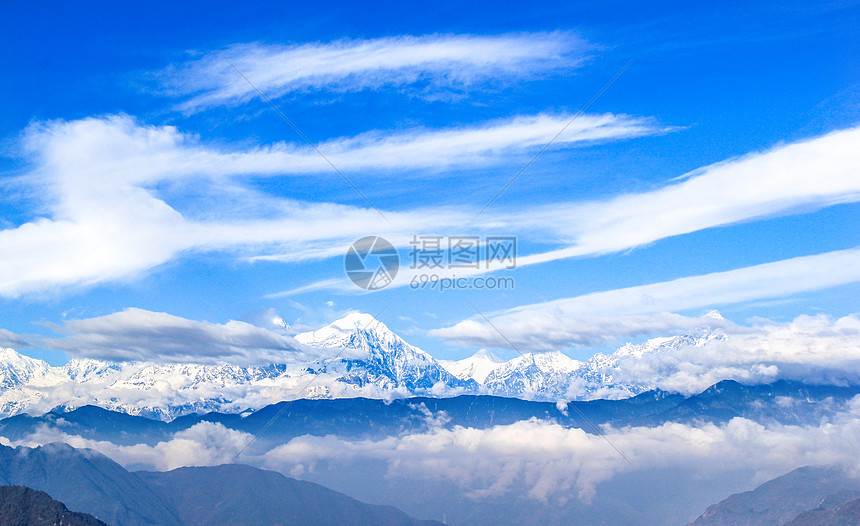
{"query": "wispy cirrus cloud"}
[(104, 221), (439, 61), (136, 153), (604, 317), (785, 180), (102, 216)]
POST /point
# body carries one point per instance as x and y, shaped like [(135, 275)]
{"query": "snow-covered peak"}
[(11, 356), (714, 315), (17, 369), (349, 331), (355, 320), (525, 374), (87, 368), (550, 362), (557, 362), (533, 375), (484, 354), (477, 367), (662, 344)]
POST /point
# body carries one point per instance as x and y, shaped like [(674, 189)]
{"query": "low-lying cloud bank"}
[(204, 444), (813, 349), (541, 460), (546, 461)]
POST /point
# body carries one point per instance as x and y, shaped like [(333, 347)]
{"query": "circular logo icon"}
[(371, 262)]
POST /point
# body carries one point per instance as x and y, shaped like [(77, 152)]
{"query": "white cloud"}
[(785, 180), (203, 444), (796, 177), (597, 318), (104, 220), (105, 216), (442, 61), (120, 147), (547, 461), (141, 335), (812, 349)]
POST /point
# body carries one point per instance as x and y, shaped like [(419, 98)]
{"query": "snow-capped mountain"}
[(17, 370), (533, 376), (368, 353), (25, 381), (621, 373), (476, 367), (555, 376), (358, 356)]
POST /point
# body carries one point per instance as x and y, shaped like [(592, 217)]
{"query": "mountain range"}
[(784, 402), (357, 356), (632, 497)]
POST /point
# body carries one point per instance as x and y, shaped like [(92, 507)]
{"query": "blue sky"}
[(140, 171)]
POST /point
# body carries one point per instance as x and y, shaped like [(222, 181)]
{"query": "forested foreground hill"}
[(22, 506)]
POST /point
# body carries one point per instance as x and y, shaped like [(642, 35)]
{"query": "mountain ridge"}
[(780, 500), (783, 402), (356, 356)]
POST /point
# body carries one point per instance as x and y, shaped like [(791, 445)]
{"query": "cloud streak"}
[(118, 200), (785, 180), (600, 317), (442, 62), (106, 221)]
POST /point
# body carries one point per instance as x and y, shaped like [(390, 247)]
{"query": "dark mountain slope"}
[(785, 402), (21, 506), (85, 481), (779, 500), (238, 494), (847, 514)]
